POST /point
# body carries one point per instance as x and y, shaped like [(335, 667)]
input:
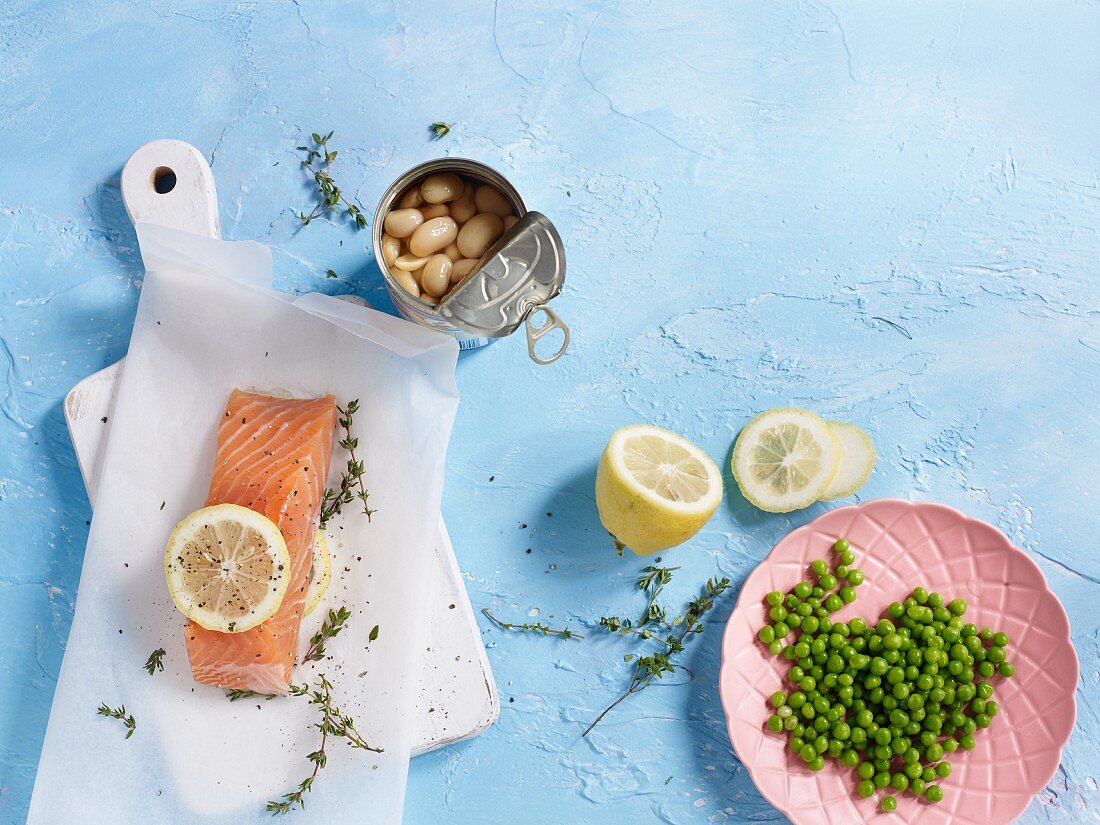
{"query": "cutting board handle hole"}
[(163, 180)]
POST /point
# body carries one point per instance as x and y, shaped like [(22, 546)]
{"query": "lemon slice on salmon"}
[(319, 572), (785, 458), (654, 489), (227, 568)]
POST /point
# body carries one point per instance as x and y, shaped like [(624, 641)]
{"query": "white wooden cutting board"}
[(458, 697)]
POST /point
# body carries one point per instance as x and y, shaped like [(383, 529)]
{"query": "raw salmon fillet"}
[(273, 457)]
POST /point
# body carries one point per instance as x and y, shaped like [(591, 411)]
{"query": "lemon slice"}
[(784, 459), (319, 572), (857, 460), (654, 489), (227, 568)]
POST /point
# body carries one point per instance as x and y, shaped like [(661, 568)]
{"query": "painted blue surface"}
[(751, 199)]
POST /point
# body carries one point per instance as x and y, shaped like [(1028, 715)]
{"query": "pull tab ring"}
[(534, 332)]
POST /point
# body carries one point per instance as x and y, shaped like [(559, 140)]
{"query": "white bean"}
[(441, 188), (478, 234), (509, 222), (432, 236), (489, 199), (402, 222), (407, 282), (411, 199), (462, 209), (391, 248), (460, 269), (434, 210), (409, 263), (452, 252), (429, 299), (436, 275)]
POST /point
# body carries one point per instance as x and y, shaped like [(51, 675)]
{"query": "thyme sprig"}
[(234, 694), (318, 162), (655, 626), (155, 661), (537, 627), (334, 723), (330, 628), (440, 130), (352, 486), (120, 714)]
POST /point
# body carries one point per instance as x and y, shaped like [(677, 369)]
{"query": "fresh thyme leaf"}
[(155, 661), (318, 162), (373, 634), (331, 273), (330, 628), (120, 714), (440, 130), (352, 486), (670, 636), (335, 723), (233, 695), (538, 627)]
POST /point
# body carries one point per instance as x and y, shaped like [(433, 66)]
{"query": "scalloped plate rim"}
[(782, 805)]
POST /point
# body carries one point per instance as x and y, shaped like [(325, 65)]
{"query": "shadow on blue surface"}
[(48, 605)]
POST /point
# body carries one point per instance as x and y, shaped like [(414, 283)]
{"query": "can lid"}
[(518, 275)]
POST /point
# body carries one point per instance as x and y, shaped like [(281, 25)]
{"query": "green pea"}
[(888, 803), (855, 577), (866, 788), (774, 598), (766, 634), (1007, 669), (802, 590), (775, 724), (865, 770), (933, 793), (841, 545), (957, 606)]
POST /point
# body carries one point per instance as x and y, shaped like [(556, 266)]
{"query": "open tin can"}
[(512, 283)]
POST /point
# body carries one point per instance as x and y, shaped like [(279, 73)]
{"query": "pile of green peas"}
[(890, 699)]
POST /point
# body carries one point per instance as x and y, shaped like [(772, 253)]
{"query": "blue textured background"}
[(743, 193)]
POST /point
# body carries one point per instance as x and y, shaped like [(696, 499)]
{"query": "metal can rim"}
[(463, 166)]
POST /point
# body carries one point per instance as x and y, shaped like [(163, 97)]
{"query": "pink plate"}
[(898, 545)]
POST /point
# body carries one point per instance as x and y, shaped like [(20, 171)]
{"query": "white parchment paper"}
[(208, 322)]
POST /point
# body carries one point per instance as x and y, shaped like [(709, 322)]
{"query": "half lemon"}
[(227, 568), (654, 489), (785, 459)]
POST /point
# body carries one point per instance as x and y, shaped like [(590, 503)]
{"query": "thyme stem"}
[(333, 500), (155, 661), (656, 665), (538, 627), (120, 714), (330, 195)]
